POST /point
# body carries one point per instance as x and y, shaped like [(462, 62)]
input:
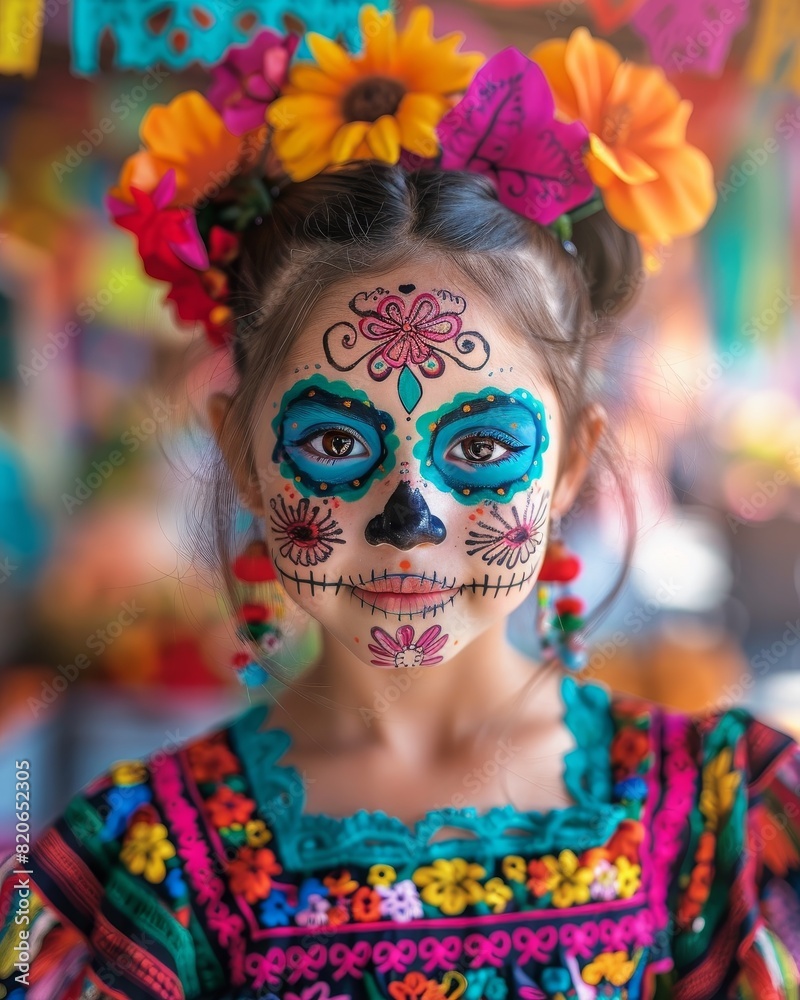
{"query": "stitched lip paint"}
[(404, 594)]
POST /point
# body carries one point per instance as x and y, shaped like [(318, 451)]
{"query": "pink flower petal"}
[(679, 32), (384, 640), (405, 635), (504, 127)]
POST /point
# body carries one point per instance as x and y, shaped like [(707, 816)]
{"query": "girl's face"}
[(406, 459)]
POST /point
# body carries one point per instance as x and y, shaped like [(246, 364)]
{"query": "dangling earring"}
[(259, 611), (558, 619)]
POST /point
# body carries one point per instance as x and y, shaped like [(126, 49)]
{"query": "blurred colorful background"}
[(113, 640)]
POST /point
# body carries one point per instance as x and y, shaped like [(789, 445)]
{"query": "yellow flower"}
[(145, 850), (381, 875), (654, 183), (369, 106), (613, 966), (629, 877), (497, 894), (567, 880), (257, 833), (719, 786), (129, 772), (450, 885), (189, 136), (514, 868)]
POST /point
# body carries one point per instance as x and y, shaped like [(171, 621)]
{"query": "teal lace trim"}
[(304, 842)]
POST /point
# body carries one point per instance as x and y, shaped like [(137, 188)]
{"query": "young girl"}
[(413, 330)]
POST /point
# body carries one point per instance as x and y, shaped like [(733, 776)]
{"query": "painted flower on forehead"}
[(653, 182), (408, 335), (403, 651), (504, 127), (388, 98), (250, 78)]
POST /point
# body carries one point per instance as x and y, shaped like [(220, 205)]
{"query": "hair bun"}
[(611, 259)]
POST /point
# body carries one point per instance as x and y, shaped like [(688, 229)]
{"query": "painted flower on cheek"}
[(506, 543), (402, 651), (304, 539)]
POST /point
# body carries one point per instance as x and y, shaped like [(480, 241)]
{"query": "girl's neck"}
[(341, 703)]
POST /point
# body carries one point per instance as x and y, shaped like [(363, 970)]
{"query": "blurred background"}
[(113, 640)]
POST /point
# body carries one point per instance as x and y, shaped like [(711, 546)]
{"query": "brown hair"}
[(367, 218)]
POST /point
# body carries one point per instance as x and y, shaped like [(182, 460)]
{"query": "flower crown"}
[(562, 132)]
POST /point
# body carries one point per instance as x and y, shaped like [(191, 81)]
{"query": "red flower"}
[(250, 873), (211, 760), (226, 806), (628, 748), (539, 874)]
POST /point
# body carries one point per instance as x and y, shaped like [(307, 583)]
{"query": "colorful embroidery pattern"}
[(186, 865)]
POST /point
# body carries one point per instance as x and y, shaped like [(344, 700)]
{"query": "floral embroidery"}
[(450, 885), (719, 787), (567, 880), (211, 760), (613, 966), (145, 849), (129, 772), (227, 806), (381, 875), (402, 651), (250, 873), (628, 749)]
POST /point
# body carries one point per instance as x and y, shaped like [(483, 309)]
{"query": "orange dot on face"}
[(287, 487), (479, 510), (405, 564), (472, 517), (356, 639)]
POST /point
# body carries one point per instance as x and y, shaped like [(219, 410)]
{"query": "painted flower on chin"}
[(301, 537), (402, 651), (388, 98)]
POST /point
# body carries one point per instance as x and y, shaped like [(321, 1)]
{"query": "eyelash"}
[(507, 442), (326, 429)]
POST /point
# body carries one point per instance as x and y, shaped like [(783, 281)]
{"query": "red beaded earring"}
[(260, 609), (558, 618)]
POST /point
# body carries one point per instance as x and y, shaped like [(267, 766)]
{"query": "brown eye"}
[(478, 449), (336, 443)]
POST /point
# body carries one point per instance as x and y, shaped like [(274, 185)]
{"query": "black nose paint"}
[(405, 289), (405, 521)]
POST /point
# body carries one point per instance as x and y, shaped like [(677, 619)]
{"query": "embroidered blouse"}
[(196, 873)]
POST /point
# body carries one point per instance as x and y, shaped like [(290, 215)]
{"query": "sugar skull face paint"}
[(329, 438), (488, 443), (410, 333), (366, 514)]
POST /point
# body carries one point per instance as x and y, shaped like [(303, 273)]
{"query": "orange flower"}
[(539, 874), (341, 886), (250, 873), (416, 986), (625, 840), (226, 806), (366, 904), (337, 915), (653, 182), (187, 134)]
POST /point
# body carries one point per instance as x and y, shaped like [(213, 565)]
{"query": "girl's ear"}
[(238, 456), (592, 422)]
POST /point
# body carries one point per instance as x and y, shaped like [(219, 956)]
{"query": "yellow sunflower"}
[(369, 106)]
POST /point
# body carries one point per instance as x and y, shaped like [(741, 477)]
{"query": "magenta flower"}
[(402, 651), (408, 337), (250, 78), (686, 35), (505, 127)]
